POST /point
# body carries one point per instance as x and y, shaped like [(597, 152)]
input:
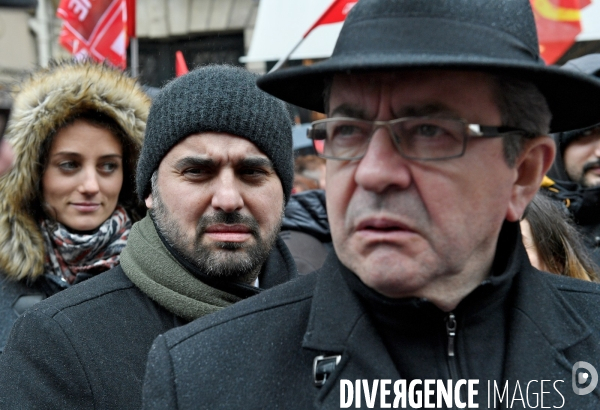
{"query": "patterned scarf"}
[(68, 253)]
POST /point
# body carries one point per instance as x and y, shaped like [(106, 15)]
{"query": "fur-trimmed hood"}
[(42, 103)]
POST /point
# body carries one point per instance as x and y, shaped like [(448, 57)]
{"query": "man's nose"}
[(227, 196), (382, 166), (90, 184)]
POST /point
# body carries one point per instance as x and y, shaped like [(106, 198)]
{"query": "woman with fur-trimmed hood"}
[(67, 205)]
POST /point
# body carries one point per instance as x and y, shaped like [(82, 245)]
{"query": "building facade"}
[(206, 31)]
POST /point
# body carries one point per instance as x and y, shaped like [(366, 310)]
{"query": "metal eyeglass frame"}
[(476, 130)]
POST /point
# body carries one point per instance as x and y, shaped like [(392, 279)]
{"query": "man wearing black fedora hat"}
[(436, 140)]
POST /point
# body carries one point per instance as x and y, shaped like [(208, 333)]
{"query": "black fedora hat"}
[(589, 64), (496, 36)]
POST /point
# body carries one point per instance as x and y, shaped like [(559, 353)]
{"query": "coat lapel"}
[(546, 338), (338, 325)]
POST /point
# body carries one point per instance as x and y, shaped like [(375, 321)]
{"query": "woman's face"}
[(84, 175)]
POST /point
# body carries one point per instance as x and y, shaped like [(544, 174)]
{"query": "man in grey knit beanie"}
[(215, 172), (221, 99)]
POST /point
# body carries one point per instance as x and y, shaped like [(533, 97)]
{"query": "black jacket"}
[(583, 203), (15, 298), (551, 323), (305, 230), (86, 347), (18, 296), (307, 212)]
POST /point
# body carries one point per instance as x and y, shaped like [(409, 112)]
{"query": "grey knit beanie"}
[(217, 98)]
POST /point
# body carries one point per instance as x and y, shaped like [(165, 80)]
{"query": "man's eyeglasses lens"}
[(416, 138)]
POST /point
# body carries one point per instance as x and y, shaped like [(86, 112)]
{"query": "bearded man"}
[(574, 178), (436, 140)]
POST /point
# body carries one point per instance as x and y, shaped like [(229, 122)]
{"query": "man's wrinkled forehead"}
[(410, 93), (356, 84)]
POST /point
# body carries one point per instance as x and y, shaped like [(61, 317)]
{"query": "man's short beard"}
[(581, 178), (239, 262), (586, 167)]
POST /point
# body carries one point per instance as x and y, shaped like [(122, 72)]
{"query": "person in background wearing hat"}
[(68, 204), (575, 174), (215, 171), (436, 140)]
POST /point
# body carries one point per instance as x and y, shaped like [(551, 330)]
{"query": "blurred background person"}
[(68, 203), (302, 183), (309, 173), (305, 230), (552, 242), (575, 174)]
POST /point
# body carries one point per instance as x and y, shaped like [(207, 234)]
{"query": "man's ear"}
[(148, 201), (532, 164)]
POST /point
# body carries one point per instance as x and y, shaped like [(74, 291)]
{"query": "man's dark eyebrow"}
[(207, 162), (194, 162), (347, 110), (255, 162)]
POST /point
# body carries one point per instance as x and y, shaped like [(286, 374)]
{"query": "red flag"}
[(95, 28), (337, 12), (180, 65), (558, 24), (131, 18)]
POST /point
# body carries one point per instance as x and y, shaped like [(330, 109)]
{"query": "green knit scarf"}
[(152, 268)]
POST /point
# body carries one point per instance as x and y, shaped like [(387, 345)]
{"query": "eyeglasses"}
[(422, 138)]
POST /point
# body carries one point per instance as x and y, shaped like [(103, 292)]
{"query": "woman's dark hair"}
[(558, 242), (127, 197)]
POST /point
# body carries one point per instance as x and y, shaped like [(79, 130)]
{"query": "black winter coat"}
[(305, 230), (15, 298), (18, 296), (307, 212), (86, 347), (260, 353)]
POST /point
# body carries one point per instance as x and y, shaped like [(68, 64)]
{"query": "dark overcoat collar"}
[(546, 335)]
